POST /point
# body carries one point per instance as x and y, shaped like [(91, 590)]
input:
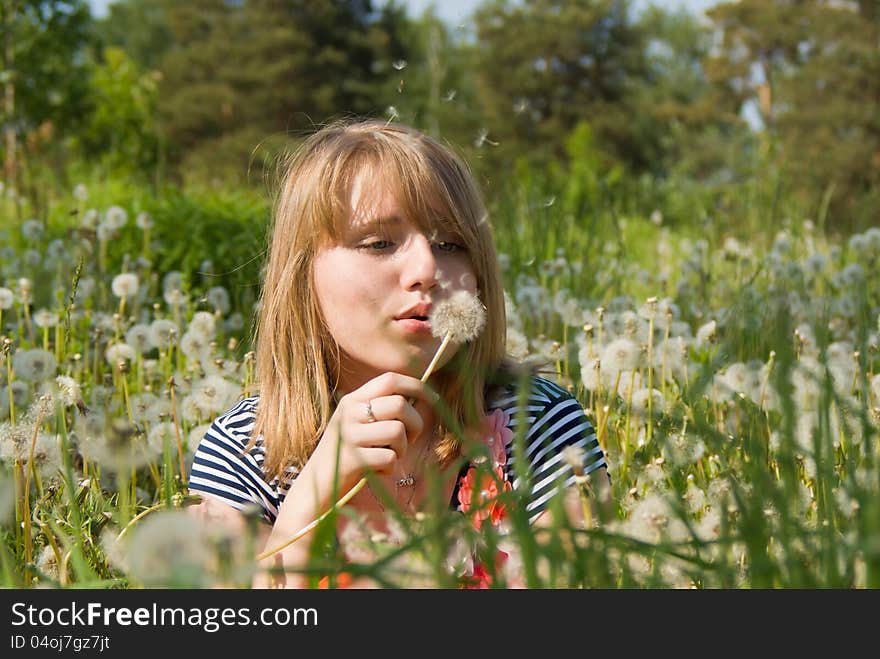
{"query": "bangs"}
[(421, 189)]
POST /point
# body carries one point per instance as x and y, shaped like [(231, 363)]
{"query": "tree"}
[(45, 77), (242, 76), (543, 67), (811, 70)]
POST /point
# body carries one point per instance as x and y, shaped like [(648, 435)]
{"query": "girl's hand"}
[(372, 428)]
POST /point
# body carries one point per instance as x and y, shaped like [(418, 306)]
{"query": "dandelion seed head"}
[(144, 221), (6, 298), (125, 285), (80, 192), (119, 352), (462, 316), (34, 365), (69, 391), (45, 318), (32, 229), (115, 217), (620, 355)]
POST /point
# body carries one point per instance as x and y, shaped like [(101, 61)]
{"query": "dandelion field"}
[(734, 387)]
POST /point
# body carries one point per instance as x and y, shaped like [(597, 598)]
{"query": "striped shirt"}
[(224, 470)]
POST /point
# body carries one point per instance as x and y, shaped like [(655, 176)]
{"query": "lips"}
[(420, 311)]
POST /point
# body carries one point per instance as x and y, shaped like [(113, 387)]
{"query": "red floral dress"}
[(478, 492)]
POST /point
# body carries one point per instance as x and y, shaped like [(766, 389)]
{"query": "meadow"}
[(732, 378)]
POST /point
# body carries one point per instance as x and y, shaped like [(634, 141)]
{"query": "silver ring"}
[(370, 417)]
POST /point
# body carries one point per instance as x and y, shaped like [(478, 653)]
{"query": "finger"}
[(389, 434), (379, 459), (397, 407), (390, 383)]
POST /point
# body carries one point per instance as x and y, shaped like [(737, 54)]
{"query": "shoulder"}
[(237, 423), (537, 394)]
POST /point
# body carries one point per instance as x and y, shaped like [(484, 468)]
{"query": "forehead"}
[(380, 197)]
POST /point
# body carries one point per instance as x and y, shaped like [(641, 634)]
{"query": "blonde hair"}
[(297, 359)]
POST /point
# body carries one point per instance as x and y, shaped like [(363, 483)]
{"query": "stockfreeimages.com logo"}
[(209, 619)]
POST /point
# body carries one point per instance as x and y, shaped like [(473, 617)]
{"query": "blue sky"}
[(453, 11)]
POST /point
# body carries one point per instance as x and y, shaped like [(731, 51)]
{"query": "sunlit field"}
[(733, 386)]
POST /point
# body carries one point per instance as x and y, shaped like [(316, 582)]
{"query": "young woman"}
[(375, 225)]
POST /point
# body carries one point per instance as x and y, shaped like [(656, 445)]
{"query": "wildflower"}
[(234, 323), (462, 317), (125, 285), (34, 365), (119, 352), (174, 297), (172, 280), (620, 355), (195, 436), (69, 390), (194, 346), (640, 399), (47, 562), (162, 435), (218, 298), (32, 229), (203, 325), (80, 192), (115, 217), (169, 548), (6, 298), (162, 332), (139, 337), (144, 221), (708, 333), (105, 232), (90, 219), (45, 318)]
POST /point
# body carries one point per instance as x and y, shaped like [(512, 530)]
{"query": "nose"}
[(419, 265)]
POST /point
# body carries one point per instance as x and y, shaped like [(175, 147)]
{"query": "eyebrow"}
[(373, 222)]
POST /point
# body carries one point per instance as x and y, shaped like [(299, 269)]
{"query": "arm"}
[(352, 444)]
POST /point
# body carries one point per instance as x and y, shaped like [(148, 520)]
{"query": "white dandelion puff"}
[(620, 355), (144, 221), (115, 217), (162, 331), (708, 333), (45, 318), (462, 317), (118, 352), (34, 365), (139, 337), (80, 192), (7, 297), (202, 324), (125, 285), (70, 393)]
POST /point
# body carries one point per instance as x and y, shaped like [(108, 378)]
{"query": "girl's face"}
[(377, 284)]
